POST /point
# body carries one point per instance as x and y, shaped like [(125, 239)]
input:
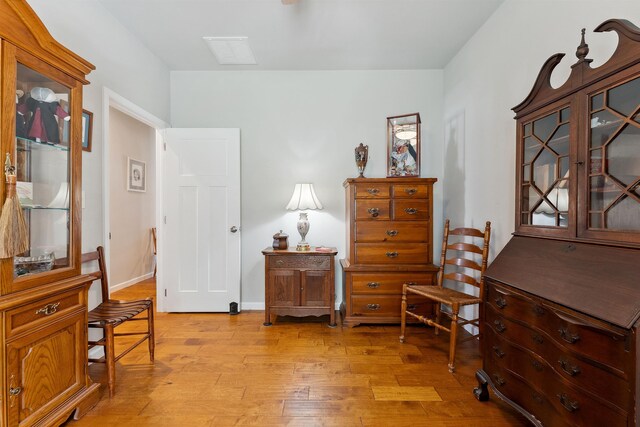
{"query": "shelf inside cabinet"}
[(25, 144), (44, 208)]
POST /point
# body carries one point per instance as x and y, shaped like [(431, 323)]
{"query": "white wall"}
[(495, 71), (303, 126), (132, 214), (124, 65)]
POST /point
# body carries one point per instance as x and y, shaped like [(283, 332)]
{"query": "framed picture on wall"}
[(136, 175), (403, 145), (87, 129)]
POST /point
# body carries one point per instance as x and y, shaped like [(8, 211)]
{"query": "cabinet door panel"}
[(48, 367), (284, 288), (314, 289)]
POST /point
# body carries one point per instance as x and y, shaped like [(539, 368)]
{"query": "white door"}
[(201, 198)]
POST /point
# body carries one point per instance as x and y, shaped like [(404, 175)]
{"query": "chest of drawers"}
[(558, 345), (389, 243)]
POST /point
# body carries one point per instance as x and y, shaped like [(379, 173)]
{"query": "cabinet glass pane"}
[(614, 195), (42, 167), (545, 165)]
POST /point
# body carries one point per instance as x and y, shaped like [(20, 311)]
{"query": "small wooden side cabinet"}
[(299, 283)]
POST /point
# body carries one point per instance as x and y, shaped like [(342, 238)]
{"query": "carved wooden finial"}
[(583, 50)]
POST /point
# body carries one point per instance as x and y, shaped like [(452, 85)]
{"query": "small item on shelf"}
[(44, 106), (323, 249), (280, 240), (33, 265), (362, 155), (21, 112), (14, 237)]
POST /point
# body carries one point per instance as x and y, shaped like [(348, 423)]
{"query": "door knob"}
[(233, 229)]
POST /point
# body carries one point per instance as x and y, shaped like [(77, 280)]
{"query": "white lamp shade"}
[(304, 198)]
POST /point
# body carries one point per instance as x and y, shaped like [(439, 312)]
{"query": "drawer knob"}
[(571, 370), (411, 211), (536, 365), (14, 391), (279, 262), (373, 191), (567, 336), (499, 380), (537, 338), (412, 307), (392, 254), (498, 352), (374, 212), (48, 309), (392, 233), (373, 285), (373, 306), (500, 327), (501, 302), (569, 405), (538, 310), (410, 191)]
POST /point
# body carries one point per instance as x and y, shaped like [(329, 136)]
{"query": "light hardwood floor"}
[(222, 370)]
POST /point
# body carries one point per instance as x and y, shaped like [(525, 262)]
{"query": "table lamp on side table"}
[(304, 198)]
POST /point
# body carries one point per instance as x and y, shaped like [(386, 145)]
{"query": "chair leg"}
[(150, 325), (455, 308), (438, 315), (403, 313), (110, 359)]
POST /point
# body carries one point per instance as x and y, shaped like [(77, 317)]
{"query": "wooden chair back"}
[(462, 254)]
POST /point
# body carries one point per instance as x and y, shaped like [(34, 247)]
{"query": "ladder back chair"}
[(468, 262), (112, 313)]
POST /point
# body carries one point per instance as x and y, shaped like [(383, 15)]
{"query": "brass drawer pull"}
[(499, 380), (373, 306), (48, 309), (567, 403), (410, 191), (279, 262), (392, 233), (571, 370), (501, 302), (498, 352), (411, 211), (14, 391), (392, 254), (567, 336), (537, 365), (500, 327), (373, 191), (537, 338), (373, 285), (412, 307), (538, 310), (374, 212)]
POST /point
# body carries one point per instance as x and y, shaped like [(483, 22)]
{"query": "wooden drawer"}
[(410, 191), (549, 360), (310, 262), (568, 331), (47, 310), (386, 283), (372, 209), (392, 231), (372, 191), (411, 210), (386, 305), (390, 253)]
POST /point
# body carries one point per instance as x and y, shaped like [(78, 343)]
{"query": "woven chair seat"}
[(444, 295), (116, 312)]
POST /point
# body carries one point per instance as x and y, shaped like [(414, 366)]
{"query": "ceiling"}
[(309, 35)]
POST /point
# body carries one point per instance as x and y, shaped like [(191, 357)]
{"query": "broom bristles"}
[(14, 236)]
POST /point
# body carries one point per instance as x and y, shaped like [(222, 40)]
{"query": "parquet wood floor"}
[(222, 370)]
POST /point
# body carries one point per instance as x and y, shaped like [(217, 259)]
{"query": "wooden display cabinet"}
[(43, 295), (299, 283), (562, 300)]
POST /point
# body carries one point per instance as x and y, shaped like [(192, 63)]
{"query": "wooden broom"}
[(14, 237)]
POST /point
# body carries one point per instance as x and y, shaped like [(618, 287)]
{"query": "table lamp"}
[(304, 198)]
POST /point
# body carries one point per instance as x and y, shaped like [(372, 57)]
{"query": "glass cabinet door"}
[(42, 159), (544, 171), (614, 159)]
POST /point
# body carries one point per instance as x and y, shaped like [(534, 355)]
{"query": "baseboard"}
[(260, 306), (128, 283)]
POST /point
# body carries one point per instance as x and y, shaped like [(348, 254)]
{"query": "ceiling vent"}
[(231, 50)]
